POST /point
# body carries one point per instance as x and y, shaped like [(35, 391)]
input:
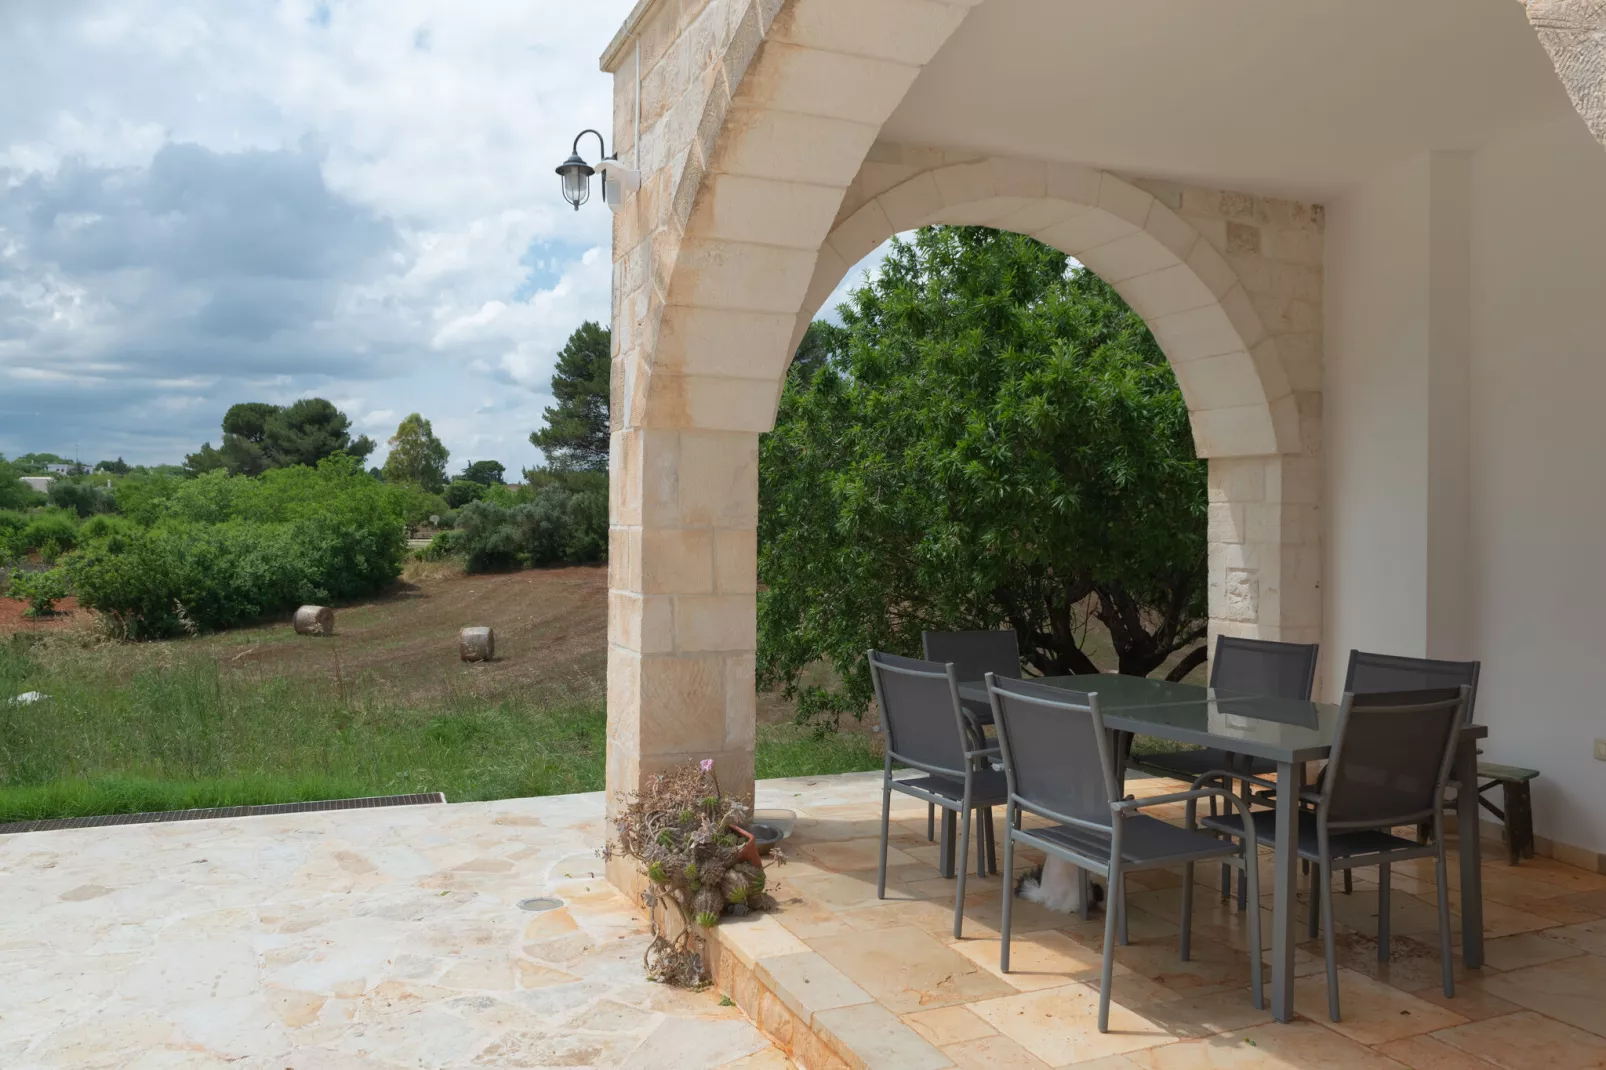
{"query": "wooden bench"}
[(1518, 815)]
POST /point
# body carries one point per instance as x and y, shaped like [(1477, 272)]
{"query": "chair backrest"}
[(975, 654), (1391, 756), (1262, 667), (1389, 672), (1055, 750), (920, 713)]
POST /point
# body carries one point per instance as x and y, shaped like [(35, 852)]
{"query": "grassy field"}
[(260, 715)]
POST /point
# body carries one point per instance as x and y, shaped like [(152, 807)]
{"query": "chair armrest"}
[(1227, 775), (1192, 798)]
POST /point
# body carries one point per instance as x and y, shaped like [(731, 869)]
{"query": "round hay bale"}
[(315, 620), (476, 644)]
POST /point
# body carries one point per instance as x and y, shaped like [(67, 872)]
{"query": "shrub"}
[(80, 497), (462, 491), (12, 525), (51, 526), (41, 590), (556, 526), (442, 546), (159, 582)]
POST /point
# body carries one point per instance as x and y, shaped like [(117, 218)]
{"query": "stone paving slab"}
[(867, 982), (347, 940)]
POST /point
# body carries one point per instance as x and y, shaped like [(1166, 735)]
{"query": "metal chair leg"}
[(881, 869), (992, 842), (1328, 939), (1256, 973), (1382, 911), (963, 866), (1117, 892), (1312, 925), (1349, 882), (1447, 964), (983, 819), (1009, 895), (1084, 881), (931, 821)]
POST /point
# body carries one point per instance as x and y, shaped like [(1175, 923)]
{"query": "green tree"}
[(576, 433), (258, 437), (461, 491), (14, 493), (485, 473), (416, 455), (814, 351), (119, 467), (995, 440), (309, 430)]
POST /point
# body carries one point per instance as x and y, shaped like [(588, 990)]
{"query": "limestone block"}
[(740, 700), (1211, 268), (1241, 431), (1165, 292), (677, 561), (1124, 199), (1196, 333), (764, 210), (718, 479), (1137, 253), (908, 31), (1225, 523), (1241, 601), (706, 623), (792, 147), (1085, 232), (736, 561), (1220, 382), (476, 644), (1072, 183), (859, 234), (315, 620), (725, 342), (1037, 215), (1170, 230), (682, 704), (1573, 32), (966, 183), (737, 275), (913, 203), (830, 84)]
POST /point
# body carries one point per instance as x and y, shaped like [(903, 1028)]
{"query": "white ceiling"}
[(1298, 98)]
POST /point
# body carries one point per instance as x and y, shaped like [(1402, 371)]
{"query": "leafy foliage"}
[(461, 491), (258, 437), (416, 455), (556, 526), (224, 550), (485, 473), (14, 493), (81, 497), (993, 439), (41, 590), (576, 433)]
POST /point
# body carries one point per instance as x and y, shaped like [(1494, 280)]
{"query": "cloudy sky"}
[(211, 201)]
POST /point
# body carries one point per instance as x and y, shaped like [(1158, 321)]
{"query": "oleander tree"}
[(992, 437)]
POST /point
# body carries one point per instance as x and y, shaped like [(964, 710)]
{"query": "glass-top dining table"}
[(1289, 732)]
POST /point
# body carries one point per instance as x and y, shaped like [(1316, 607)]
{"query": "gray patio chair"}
[(929, 730), (1391, 759), (974, 654), (1371, 673), (1058, 766), (1257, 666)]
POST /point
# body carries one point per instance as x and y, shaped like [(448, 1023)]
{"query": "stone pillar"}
[(682, 563), (1265, 558)]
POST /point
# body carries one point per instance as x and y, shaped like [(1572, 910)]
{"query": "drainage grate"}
[(54, 823), (543, 903)]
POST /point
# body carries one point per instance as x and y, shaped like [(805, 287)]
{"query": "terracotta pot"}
[(749, 851)]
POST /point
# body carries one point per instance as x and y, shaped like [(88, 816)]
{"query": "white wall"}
[(1465, 438), (1538, 463), (1374, 430)]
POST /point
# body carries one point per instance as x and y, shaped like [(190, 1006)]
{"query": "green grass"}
[(185, 733)]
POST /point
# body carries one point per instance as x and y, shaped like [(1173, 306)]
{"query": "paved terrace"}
[(344, 940), (392, 938)]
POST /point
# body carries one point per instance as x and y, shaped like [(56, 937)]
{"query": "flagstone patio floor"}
[(883, 983), (343, 940), (378, 939)]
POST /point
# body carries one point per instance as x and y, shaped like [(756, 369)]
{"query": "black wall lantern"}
[(575, 175)]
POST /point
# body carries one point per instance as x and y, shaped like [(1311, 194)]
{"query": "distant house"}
[(61, 469), (39, 483)]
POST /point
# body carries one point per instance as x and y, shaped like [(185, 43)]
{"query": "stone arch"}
[(1239, 398), (762, 120)]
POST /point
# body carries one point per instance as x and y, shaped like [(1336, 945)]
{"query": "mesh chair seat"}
[(1144, 839), (987, 787), (1340, 844)]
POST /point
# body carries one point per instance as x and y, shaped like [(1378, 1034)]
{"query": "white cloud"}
[(361, 205)]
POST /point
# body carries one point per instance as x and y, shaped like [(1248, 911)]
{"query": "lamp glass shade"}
[(576, 174)]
